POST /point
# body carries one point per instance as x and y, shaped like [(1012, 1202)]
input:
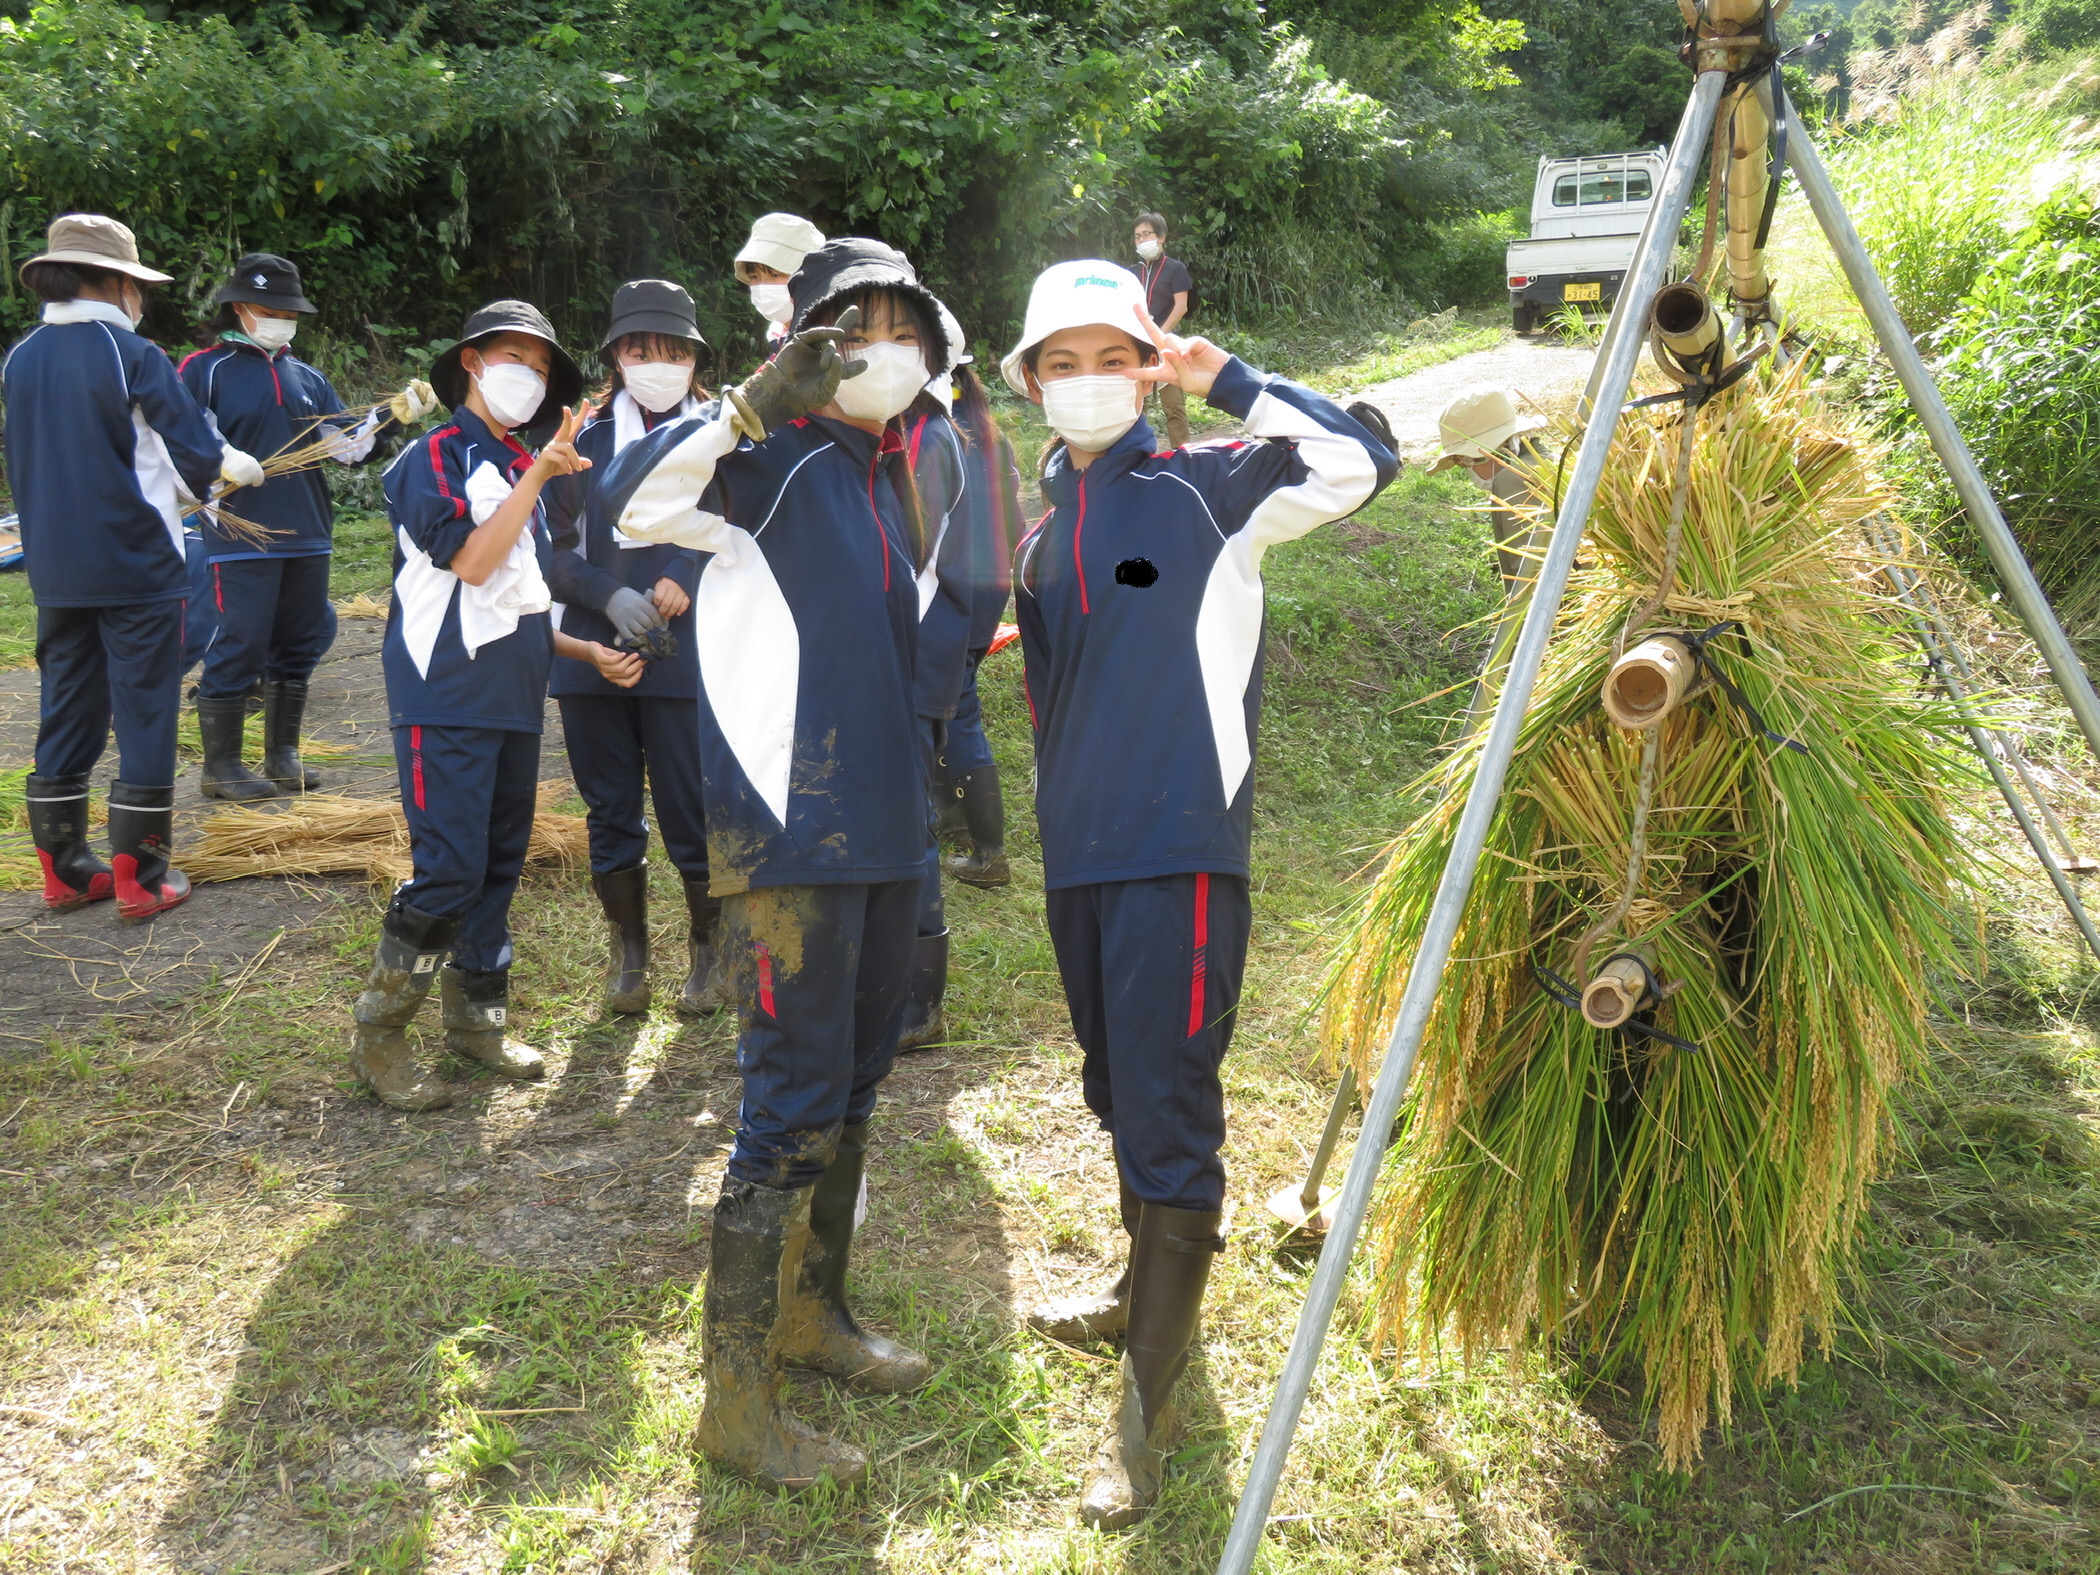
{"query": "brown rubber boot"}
[(1096, 1315), (818, 1329), (624, 895), (760, 1234), (412, 945), (707, 987), (477, 1006), (1169, 1266)]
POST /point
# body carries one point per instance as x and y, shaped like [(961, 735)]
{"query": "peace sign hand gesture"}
[(559, 457), (1192, 363)]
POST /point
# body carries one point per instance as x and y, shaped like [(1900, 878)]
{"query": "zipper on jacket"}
[(881, 534)]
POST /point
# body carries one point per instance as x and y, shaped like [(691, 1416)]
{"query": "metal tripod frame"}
[(1603, 401)]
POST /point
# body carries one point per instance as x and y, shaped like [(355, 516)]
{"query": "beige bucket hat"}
[(93, 241), (1475, 424)]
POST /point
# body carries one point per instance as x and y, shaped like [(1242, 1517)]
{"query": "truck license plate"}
[(1582, 292)]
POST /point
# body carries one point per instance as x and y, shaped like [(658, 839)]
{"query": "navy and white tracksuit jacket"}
[(1140, 604), (994, 514), (466, 680), (805, 623), (104, 449), (616, 735), (270, 602)]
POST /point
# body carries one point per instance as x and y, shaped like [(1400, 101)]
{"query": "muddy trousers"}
[(821, 974), (104, 665), (613, 742), (275, 622), (469, 794), (1152, 971)]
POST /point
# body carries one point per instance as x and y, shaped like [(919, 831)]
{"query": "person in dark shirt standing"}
[(1167, 289)]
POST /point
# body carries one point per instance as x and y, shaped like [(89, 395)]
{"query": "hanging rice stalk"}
[(328, 834), (1680, 1194)]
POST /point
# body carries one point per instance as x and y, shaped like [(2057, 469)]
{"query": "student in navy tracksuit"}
[(807, 617), (101, 438), (1140, 604), (275, 621), (614, 590), (969, 778), (468, 645)]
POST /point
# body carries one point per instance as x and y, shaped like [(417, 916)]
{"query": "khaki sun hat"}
[(1474, 425), (92, 241)]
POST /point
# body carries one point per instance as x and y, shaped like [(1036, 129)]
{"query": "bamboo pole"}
[(1643, 278)]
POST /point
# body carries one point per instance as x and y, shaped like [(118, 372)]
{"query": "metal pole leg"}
[(1643, 278), (1304, 1208), (2022, 590)]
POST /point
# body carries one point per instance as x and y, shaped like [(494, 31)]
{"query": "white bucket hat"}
[(780, 240), (1080, 294), (1474, 425)]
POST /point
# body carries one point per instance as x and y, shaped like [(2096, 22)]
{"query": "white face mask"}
[(1148, 249), (1091, 412), (895, 374), (657, 386), (773, 302), (271, 333), (132, 303), (513, 393)]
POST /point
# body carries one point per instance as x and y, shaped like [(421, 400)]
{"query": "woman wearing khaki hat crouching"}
[(1482, 431)]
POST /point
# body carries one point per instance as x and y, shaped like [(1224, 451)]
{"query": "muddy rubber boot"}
[(412, 946), (477, 1006), (58, 826), (221, 725), (925, 1025), (984, 812), (141, 830), (284, 710), (760, 1235), (624, 895), (1169, 1266), (1099, 1315), (707, 987), (817, 1328), (950, 824)]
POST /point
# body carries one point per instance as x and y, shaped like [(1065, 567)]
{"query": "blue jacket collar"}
[(862, 445), (1061, 481), (473, 428)]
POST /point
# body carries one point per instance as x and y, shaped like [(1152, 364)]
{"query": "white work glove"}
[(413, 403), (240, 470)]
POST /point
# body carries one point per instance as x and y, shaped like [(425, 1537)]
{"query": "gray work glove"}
[(633, 614), (802, 376)]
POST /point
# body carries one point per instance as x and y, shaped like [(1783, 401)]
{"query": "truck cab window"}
[(1600, 187)]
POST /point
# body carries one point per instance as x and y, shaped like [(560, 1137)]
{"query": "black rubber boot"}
[(221, 724), (141, 831), (707, 988), (412, 947), (477, 1008), (924, 1022), (950, 825), (1169, 1266), (760, 1236), (284, 709), (818, 1329), (984, 812), (58, 826), (624, 895), (1100, 1315)]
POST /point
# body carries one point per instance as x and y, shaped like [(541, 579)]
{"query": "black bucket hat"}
[(855, 263), (652, 306), (564, 376), (263, 279)]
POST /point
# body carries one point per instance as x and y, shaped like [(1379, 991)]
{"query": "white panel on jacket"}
[(750, 656)]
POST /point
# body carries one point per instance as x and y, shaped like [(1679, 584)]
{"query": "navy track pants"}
[(200, 621), (612, 740), (933, 901), (275, 622), (967, 750), (104, 664), (821, 974), (1152, 972), (469, 794)]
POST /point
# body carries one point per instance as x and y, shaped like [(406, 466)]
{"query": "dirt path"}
[(1540, 372)]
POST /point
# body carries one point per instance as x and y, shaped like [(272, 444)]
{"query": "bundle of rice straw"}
[(329, 834), (1689, 1210)]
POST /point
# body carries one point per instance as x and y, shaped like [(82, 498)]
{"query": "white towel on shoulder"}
[(488, 611)]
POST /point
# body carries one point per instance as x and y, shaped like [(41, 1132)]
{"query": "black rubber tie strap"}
[(1563, 993), (1700, 654)]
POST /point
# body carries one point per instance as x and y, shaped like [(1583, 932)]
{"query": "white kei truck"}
[(1586, 216)]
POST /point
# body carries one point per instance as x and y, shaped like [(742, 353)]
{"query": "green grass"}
[(17, 621), (253, 1327)]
